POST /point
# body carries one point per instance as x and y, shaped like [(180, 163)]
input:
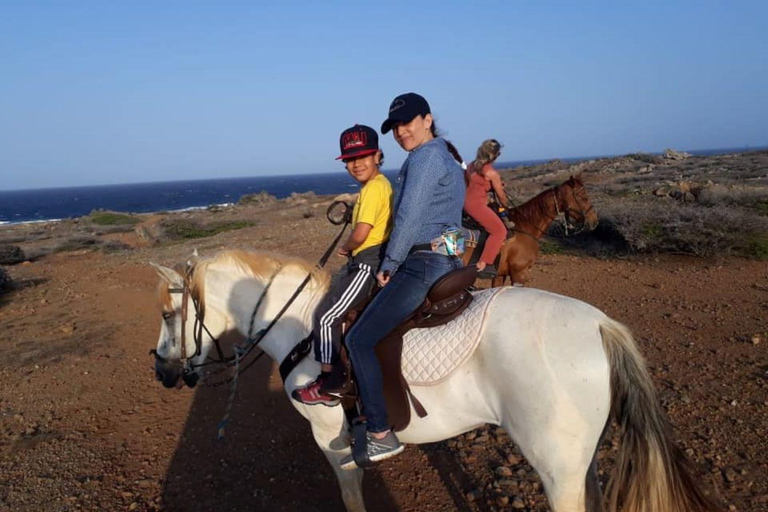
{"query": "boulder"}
[(671, 154), (11, 254)]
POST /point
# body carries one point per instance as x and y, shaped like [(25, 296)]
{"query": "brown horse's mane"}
[(538, 205)]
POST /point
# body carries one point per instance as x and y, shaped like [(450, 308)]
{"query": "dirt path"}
[(84, 425)]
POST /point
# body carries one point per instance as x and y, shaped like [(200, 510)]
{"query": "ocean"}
[(62, 203)]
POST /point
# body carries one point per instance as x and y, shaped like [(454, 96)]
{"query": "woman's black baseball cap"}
[(404, 108)]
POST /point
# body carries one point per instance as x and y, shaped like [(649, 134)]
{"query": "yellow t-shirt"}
[(374, 207)]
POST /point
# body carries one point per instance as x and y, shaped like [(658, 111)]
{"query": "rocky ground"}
[(84, 425)]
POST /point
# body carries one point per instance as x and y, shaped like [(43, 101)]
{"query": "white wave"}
[(14, 222), (193, 208)]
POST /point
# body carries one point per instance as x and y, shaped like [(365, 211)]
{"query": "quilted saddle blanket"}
[(432, 355)]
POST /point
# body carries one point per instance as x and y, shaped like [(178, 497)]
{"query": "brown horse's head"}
[(575, 204)]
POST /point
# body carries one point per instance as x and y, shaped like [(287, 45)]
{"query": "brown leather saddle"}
[(446, 300)]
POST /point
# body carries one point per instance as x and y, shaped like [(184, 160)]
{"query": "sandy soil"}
[(84, 425)]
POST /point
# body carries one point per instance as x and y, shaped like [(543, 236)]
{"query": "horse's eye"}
[(167, 315)]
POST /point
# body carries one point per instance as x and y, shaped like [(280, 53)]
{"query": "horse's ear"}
[(168, 275), (193, 259), (572, 181)]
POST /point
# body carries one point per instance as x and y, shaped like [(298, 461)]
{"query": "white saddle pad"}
[(431, 355)]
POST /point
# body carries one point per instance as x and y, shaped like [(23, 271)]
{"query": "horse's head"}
[(575, 203), (179, 347)]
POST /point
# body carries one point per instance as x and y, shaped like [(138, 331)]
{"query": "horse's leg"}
[(563, 465), (335, 446), (552, 394)]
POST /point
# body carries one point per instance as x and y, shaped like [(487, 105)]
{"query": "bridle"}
[(185, 362), (567, 216)]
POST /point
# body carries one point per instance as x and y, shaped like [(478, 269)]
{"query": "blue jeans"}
[(397, 300)]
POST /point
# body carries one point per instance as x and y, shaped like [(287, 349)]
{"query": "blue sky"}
[(95, 92)]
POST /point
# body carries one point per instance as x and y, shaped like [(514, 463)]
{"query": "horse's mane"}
[(260, 265), (534, 207), (538, 204), (257, 264)]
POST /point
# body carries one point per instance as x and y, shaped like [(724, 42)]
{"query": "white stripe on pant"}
[(338, 310)]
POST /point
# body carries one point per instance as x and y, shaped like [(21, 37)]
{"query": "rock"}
[(502, 501), (730, 475), (756, 339), (68, 330), (513, 459), (474, 495), (518, 504), (503, 471), (11, 254), (671, 154)]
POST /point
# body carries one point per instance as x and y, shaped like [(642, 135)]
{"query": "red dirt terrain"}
[(84, 425)]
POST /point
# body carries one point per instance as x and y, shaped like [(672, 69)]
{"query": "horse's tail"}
[(651, 473)]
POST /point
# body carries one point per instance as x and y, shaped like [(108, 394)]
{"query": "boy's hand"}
[(343, 252), (383, 278)]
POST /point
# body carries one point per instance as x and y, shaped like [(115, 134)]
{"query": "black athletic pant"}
[(350, 286)]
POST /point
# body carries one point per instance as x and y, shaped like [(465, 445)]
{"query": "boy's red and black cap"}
[(404, 108), (360, 140)]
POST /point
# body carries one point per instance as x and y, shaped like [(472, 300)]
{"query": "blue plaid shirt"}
[(429, 198)]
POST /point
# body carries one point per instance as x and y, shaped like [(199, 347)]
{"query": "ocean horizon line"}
[(500, 165), (60, 203)]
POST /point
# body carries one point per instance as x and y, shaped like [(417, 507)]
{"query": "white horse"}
[(551, 370)]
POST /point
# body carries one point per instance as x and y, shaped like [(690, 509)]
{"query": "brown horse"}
[(532, 220)]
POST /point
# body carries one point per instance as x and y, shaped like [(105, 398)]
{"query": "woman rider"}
[(428, 203), (481, 178)]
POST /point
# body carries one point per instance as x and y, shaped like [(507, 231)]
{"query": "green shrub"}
[(652, 231), (756, 246), (549, 247), (112, 218)]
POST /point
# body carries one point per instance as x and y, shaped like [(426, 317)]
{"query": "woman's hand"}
[(383, 278)]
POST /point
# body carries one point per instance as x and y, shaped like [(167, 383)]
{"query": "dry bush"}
[(112, 246), (108, 229), (662, 225), (263, 198), (750, 197), (191, 229), (5, 279), (76, 243)]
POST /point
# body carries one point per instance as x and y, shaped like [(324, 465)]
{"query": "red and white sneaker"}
[(311, 395)]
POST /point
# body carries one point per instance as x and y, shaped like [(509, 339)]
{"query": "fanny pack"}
[(449, 243)]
